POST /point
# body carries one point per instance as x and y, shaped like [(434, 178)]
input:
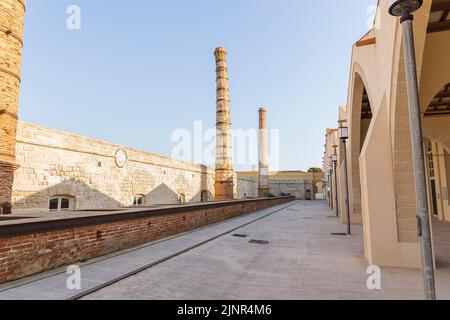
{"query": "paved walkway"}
[(296, 258), (99, 272), (301, 261)]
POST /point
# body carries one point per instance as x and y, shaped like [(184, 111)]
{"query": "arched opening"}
[(308, 195), (436, 124), (360, 119), (366, 118), (139, 200), (182, 198)]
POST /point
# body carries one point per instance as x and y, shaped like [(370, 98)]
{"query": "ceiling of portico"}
[(439, 16), (440, 104)]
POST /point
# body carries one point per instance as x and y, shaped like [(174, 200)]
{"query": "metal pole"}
[(423, 218), (336, 188), (331, 191), (347, 199), (328, 189)]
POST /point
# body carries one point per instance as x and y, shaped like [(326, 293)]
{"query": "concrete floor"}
[(301, 261), (441, 239)]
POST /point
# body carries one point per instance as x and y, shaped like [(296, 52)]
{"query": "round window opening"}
[(121, 158)]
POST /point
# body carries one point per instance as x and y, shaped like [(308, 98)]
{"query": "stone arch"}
[(436, 111), (359, 120), (437, 135)]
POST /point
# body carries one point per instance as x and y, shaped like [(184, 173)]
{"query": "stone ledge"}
[(27, 248), (24, 226)]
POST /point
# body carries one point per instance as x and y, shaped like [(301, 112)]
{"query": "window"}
[(181, 199), (54, 203), (204, 196), (138, 201), (430, 159), (61, 203), (431, 172), (447, 173)]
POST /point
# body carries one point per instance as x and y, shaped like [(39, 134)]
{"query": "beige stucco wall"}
[(381, 179)]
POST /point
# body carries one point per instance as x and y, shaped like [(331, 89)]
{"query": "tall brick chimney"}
[(263, 177), (12, 14), (224, 166)]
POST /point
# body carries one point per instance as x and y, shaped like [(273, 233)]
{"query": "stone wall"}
[(101, 175), (301, 189), (27, 247), (246, 187), (97, 174), (302, 185)]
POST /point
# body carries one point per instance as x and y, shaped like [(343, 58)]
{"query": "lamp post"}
[(330, 188), (343, 135), (334, 159), (404, 10)]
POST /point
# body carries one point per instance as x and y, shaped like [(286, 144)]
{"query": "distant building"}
[(302, 185)]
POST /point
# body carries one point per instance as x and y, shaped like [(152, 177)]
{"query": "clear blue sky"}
[(139, 69)]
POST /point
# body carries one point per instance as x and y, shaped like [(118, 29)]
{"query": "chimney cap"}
[(262, 109)]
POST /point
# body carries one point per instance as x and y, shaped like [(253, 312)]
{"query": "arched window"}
[(308, 195), (182, 198), (138, 200), (61, 203)]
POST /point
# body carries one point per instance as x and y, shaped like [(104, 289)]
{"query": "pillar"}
[(224, 185), (12, 14), (263, 177)]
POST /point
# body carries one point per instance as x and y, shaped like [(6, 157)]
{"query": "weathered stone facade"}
[(302, 185), (100, 175), (12, 13)]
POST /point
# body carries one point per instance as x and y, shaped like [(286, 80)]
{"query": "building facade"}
[(302, 185), (381, 182), (60, 171)]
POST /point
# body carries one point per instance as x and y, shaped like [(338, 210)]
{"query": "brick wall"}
[(12, 14), (26, 252)]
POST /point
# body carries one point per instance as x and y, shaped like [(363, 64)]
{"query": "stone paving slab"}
[(302, 261), (52, 285)]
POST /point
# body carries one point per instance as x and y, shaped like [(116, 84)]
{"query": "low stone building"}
[(63, 171), (302, 185)]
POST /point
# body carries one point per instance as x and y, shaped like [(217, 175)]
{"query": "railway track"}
[(150, 265), (21, 288)]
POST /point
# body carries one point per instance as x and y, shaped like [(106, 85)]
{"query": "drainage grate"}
[(240, 235), (263, 242), (338, 234)]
